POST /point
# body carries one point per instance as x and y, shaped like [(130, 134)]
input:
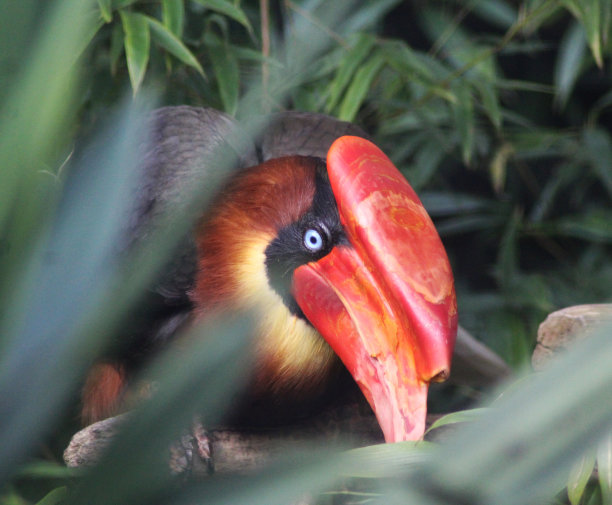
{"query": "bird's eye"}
[(313, 240)]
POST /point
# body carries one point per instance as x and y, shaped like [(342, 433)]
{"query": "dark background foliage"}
[(497, 111)]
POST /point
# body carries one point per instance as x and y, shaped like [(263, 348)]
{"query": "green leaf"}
[(579, 477), (591, 13), (227, 73), (228, 9), (46, 470), (106, 10), (462, 416), (592, 226), (508, 257), (604, 468), (383, 460), (598, 151), (499, 167), (463, 118), (490, 101), (348, 67), (450, 203), (522, 450), (427, 161), (173, 16), (412, 64), (171, 43), (137, 44), (568, 64), (56, 496), (496, 12), (357, 91)]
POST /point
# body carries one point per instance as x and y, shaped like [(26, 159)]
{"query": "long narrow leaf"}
[(171, 43), (568, 64), (173, 16), (227, 73), (579, 477), (522, 450), (137, 43), (359, 88), (353, 59), (604, 468), (105, 7)]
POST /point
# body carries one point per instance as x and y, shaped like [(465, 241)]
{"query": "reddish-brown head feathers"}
[(290, 356), (252, 208)]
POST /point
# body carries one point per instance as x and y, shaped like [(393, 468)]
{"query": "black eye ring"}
[(313, 240)]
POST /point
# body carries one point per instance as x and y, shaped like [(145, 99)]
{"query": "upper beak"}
[(387, 304)]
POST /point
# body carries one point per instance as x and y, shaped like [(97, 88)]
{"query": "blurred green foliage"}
[(497, 111)]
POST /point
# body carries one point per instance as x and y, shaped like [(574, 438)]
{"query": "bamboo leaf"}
[(55, 496), (568, 64), (604, 468), (106, 10), (579, 477), (496, 12), (173, 16), (350, 63), (463, 116), (452, 202), (227, 73), (137, 44), (427, 161), (598, 151), (490, 101), (357, 91), (412, 64), (522, 449), (499, 166), (171, 43), (228, 9), (592, 226), (382, 460), (590, 14), (461, 416)]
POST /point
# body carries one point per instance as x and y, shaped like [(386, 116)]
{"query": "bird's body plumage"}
[(218, 266), (323, 270)]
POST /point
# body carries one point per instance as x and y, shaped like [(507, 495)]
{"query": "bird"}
[(319, 235)]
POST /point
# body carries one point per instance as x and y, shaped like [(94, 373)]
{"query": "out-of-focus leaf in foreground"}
[(522, 450), (68, 299)]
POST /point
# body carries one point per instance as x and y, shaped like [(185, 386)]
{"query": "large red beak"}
[(387, 304)]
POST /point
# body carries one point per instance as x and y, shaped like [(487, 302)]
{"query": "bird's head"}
[(342, 250)]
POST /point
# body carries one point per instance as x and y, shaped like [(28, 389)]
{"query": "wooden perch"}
[(565, 326), (240, 451), (236, 451)]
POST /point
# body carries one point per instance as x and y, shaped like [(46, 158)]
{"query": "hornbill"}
[(322, 238)]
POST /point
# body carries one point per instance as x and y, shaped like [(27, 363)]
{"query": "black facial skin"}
[(288, 250)]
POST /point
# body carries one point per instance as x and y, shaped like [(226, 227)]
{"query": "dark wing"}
[(186, 148), (303, 133)]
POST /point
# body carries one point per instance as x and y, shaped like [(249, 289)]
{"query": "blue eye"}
[(313, 240)]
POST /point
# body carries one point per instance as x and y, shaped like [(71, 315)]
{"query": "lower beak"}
[(386, 303)]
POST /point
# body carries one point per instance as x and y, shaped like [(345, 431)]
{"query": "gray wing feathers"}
[(304, 134)]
